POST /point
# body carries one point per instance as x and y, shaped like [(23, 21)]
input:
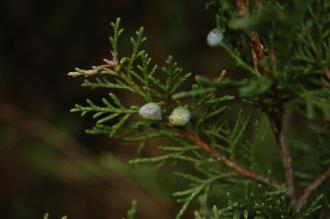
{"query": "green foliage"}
[(106, 113), (283, 49), (263, 205), (134, 74), (299, 70)]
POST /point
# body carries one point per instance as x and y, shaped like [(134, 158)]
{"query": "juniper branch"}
[(276, 119), (312, 187), (257, 49), (249, 174), (271, 86)]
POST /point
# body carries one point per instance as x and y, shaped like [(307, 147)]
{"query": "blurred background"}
[(47, 162)]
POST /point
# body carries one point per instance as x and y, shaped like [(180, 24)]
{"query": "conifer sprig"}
[(286, 63)]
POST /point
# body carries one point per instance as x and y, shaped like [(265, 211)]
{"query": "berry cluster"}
[(180, 116)]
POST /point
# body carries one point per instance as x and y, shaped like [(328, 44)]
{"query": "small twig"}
[(276, 119), (255, 60), (257, 46), (241, 7), (222, 75), (258, 56), (110, 68), (313, 186), (258, 50), (249, 174)]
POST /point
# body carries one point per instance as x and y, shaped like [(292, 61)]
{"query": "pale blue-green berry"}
[(214, 38), (180, 116), (150, 111)]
